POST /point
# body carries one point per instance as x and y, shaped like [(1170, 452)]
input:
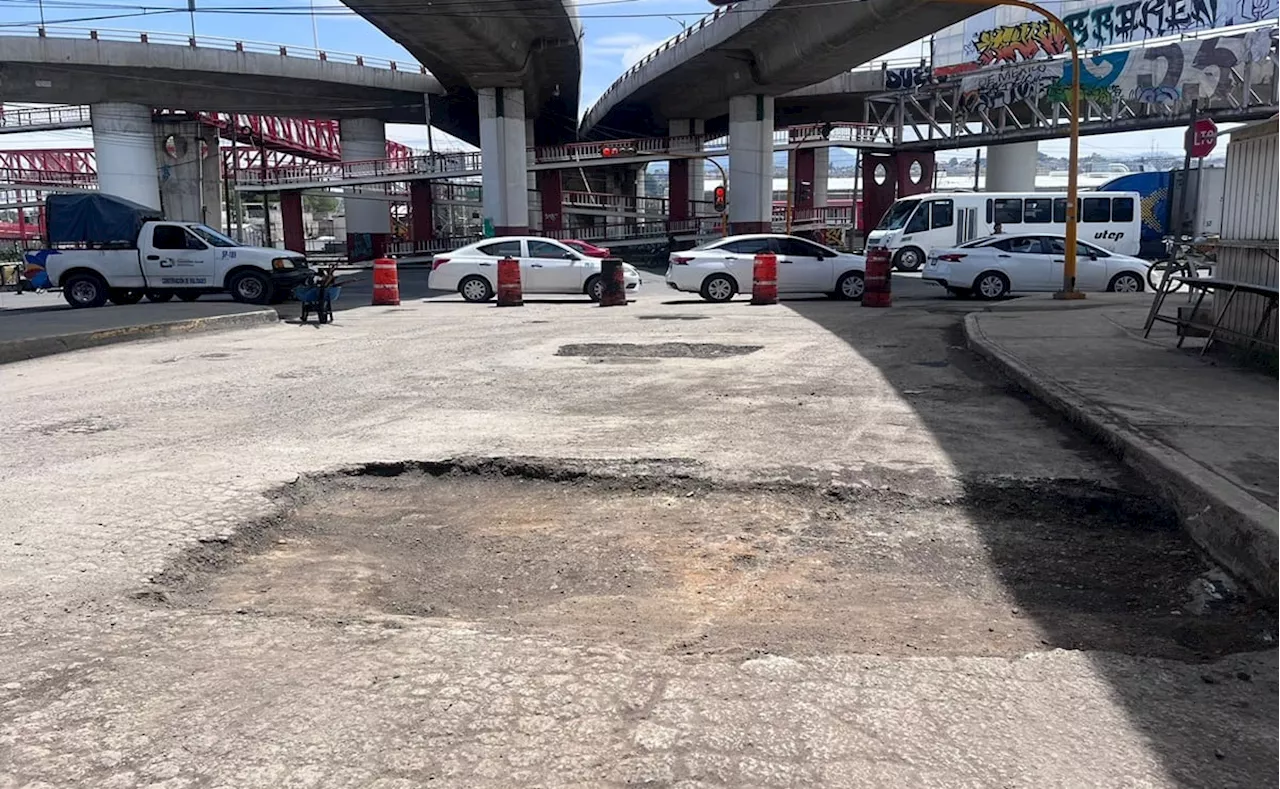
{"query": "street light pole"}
[(1073, 151)]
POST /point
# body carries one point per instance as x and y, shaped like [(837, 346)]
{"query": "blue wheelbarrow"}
[(318, 299)]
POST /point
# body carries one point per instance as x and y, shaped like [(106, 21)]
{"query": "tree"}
[(320, 204)]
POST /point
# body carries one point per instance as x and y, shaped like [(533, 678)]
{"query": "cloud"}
[(622, 49)]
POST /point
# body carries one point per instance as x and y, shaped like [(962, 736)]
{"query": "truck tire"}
[(122, 297), (251, 287), (84, 289)]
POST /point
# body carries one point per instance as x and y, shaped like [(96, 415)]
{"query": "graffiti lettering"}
[(907, 78), (1008, 86), (1014, 43), (1155, 95), (1211, 55), (1102, 95), (1122, 23)]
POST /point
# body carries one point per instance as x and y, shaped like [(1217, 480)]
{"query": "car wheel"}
[(84, 290), (595, 287), (719, 288), (122, 297), (475, 289), (159, 296), (960, 293), (991, 285), (1125, 282), (909, 259), (851, 285), (188, 296), (251, 287)]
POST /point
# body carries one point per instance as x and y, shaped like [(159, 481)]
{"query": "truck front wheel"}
[(251, 287), (84, 289)]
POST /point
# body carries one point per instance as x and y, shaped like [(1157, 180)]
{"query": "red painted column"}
[(907, 186), (802, 173), (422, 225), (291, 217), (551, 192), (678, 189)]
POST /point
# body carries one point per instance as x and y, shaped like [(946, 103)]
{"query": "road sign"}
[(1202, 136)]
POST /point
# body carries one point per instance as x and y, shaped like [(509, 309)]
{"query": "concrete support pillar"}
[(295, 237), (551, 199), (368, 220), (504, 162), (750, 164), (1012, 167), (124, 147), (687, 182), (186, 156), (422, 214)]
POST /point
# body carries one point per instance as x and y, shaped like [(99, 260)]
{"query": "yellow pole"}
[(1073, 151)]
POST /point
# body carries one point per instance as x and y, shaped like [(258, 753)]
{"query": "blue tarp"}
[(95, 219)]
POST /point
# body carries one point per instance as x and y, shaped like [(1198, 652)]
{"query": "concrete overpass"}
[(124, 75), (533, 46), (516, 62), (735, 63), (758, 47)]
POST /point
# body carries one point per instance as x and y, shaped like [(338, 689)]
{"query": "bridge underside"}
[(218, 92), (787, 49), (528, 44)]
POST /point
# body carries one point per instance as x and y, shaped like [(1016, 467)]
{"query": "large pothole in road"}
[(683, 567)]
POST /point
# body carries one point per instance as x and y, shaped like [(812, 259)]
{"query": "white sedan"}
[(546, 266), (724, 268), (992, 267)]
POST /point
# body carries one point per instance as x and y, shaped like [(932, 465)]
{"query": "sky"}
[(617, 33)]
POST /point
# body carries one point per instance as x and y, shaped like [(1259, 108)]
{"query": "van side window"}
[(943, 212), (1122, 209), (1009, 211), (1096, 209), (919, 221), (1059, 210), (1038, 210), (989, 212)]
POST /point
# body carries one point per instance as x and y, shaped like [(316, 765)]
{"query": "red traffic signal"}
[(720, 199), (610, 151)]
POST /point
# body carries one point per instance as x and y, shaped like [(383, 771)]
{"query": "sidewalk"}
[(1201, 430)]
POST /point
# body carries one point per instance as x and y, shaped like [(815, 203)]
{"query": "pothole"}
[(654, 562), (665, 350)]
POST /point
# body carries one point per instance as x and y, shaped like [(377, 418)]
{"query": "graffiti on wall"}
[(982, 41), (1015, 43), (907, 78), (1204, 69)]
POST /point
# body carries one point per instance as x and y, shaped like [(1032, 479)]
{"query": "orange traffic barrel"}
[(764, 279), (613, 291), (878, 279), (510, 293), (386, 283)]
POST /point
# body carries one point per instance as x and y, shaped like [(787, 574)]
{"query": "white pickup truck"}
[(165, 259)]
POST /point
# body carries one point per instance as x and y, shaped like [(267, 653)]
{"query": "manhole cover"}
[(666, 350)]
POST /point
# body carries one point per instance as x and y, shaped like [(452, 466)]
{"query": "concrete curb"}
[(1236, 529), (35, 347)]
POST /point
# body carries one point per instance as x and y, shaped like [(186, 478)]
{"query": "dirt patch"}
[(683, 566), (665, 350)]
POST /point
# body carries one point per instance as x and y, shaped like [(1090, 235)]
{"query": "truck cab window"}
[(170, 237)]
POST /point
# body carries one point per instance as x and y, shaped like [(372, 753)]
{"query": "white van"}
[(914, 225)]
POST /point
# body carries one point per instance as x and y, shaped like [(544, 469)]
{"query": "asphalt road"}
[(693, 545)]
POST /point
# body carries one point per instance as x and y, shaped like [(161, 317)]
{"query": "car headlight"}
[(280, 263)]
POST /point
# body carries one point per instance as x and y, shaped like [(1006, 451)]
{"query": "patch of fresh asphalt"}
[(963, 512)]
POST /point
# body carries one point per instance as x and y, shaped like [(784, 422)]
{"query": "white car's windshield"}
[(213, 237), (898, 214)]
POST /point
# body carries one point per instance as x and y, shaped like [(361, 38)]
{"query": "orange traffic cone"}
[(386, 283)]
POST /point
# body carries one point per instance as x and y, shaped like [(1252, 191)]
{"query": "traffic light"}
[(720, 199), (611, 151)]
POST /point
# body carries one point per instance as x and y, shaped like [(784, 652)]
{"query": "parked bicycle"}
[(1186, 257)]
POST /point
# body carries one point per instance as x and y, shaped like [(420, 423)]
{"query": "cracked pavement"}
[(120, 459)]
